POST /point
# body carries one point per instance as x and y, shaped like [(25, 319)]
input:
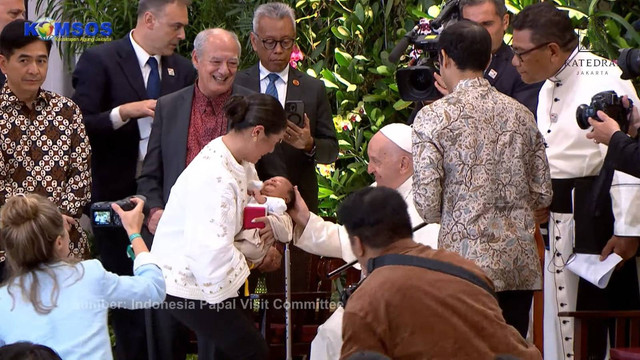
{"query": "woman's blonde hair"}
[(29, 227)]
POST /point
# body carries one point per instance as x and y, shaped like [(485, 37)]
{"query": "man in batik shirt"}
[(480, 170), (43, 145)]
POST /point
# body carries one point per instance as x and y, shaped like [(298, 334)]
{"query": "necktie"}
[(271, 88), (153, 83)]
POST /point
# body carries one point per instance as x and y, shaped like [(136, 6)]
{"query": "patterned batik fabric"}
[(45, 150), (480, 170)]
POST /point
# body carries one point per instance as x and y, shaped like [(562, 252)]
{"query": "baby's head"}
[(279, 186)]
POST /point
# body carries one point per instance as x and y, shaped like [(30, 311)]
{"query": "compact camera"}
[(102, 215), (295, 112), (610, 103)]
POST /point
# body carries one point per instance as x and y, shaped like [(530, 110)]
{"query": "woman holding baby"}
[(203, 218)]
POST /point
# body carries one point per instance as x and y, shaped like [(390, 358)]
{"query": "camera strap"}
[(430, 264)]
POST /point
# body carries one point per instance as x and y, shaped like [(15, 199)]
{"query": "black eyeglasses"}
[(519, 54), (270, 44)]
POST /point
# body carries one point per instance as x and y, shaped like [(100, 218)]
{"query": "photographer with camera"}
[(593, 207), (623, 151), (493, 16), (48, 291), (429, 304)]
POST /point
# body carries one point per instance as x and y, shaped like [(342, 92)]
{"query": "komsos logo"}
[(46, 28)]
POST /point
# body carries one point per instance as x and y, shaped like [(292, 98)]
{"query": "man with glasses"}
[(593, 207), (116, 86), (480, 171), (184, 122), (493, 16), (273, 38)]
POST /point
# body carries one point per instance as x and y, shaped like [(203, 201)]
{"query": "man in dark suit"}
[(116, 85), (9, 10), (623, 152), (493, 16), (273, 37)]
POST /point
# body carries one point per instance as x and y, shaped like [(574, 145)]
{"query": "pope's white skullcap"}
[(399, 134)]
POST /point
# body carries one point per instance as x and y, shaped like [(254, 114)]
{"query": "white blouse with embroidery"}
[(194, 239)]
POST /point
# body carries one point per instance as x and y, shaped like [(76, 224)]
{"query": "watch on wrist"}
[(312, 152)]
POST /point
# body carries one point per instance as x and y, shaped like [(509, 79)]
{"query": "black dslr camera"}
[(610, 103), (102, 215)]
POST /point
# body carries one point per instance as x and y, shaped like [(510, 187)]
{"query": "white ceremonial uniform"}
[(572, 155), (324, 238)]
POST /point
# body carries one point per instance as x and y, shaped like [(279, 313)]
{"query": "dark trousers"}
[(128, 325), (516, 306), (224, 331), (167, 338)]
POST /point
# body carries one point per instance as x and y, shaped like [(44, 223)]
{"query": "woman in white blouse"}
[(194, 242)]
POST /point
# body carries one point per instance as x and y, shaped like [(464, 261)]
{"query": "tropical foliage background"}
[(346, 44)]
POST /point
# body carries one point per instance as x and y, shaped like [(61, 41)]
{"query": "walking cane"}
[(287, 293)]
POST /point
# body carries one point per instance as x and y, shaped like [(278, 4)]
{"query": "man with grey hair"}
[(314, 140), (185, 121), (116, 86)]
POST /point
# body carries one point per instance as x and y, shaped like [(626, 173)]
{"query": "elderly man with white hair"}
[(391, 163)]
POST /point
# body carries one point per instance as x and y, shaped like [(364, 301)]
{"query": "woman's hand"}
[(266, 234), (69, 222), (132, 219)]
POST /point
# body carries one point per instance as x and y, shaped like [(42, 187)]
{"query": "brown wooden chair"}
[(627, 332), (309, 310)]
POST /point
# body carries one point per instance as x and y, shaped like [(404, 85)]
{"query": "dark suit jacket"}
[(624, 154), (107, 76), (286, 160), (504, 77), (167, 152)]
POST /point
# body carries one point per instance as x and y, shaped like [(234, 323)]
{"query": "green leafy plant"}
[(345, 44)]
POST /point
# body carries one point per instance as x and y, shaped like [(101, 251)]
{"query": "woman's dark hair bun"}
[(235, 109)]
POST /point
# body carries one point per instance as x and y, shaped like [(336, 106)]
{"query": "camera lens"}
[(421, 81), (583, 112)]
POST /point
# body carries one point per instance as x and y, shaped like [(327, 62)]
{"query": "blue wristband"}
[(130, 254), (134, 236)]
